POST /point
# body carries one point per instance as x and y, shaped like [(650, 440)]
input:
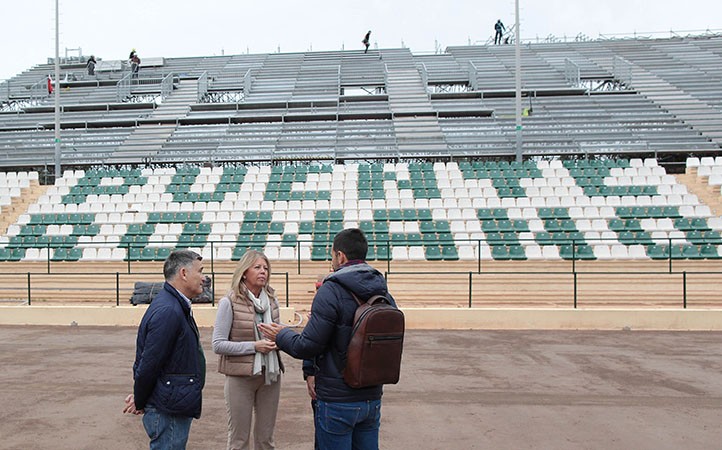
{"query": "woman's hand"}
[(265, 346)]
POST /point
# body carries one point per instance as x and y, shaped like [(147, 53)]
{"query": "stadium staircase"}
[(178, 104), (276, 78), (418, 133), (146, 141), (9, 214)]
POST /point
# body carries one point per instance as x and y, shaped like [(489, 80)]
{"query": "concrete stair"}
[(10, 214), (709, 195)]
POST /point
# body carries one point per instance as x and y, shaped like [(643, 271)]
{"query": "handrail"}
[(572, 72), (202, 86), (4, 91), (622, 70), (122, 91), (247, 82), (424, 77), (473, 74), (39, 90), (166, 86)]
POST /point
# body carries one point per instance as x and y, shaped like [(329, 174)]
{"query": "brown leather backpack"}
[(373, 356)]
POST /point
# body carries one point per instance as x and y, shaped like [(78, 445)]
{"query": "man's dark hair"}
[(177, 260), (352, 242)]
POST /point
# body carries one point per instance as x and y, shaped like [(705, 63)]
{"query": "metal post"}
[(286, 289), (517, 49), (469, 289), (29, 299), (575, 290), (213, 289), (117, 288), (57, 92), (684, 289)]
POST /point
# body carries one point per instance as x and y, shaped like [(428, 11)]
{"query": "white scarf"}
[(262, 307)]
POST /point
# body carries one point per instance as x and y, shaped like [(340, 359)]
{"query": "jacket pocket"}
[(180, 393)]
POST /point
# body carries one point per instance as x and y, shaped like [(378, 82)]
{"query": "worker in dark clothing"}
[(91, 65), (367, 41), (499, 28)]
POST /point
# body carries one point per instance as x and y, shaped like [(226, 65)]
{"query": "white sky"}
[(109, 29)]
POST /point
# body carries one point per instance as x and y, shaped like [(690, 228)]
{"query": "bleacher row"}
[(609, 209), (628, 96)]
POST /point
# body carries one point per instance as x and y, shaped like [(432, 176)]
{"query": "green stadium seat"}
[(709, 251), (516, 252), (433, 253), (449, 253), (500, 252), (238, 253)]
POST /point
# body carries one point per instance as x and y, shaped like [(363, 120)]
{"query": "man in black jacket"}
[(499, 31), (345, 417), (170, 367)]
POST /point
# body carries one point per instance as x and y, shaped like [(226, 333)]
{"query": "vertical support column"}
[(517, 49), (57, 92)]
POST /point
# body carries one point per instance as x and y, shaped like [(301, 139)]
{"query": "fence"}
[(668, 281), (26, 286), (668, 249), (568, 289)]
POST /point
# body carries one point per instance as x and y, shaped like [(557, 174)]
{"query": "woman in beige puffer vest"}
[(251, 363)]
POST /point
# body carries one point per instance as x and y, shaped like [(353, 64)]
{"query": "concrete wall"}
[(416, 318)]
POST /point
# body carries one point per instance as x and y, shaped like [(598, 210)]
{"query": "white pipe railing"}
[(572, 72), (39, 90), (4, 91), (424, 76), (202, 86), (473, 82), (247, 81), (622, 70), (166, 86), (122, 88)]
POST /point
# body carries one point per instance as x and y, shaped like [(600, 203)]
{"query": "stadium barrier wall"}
[(416, 318)]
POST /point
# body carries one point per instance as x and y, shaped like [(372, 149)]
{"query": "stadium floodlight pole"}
[(517, 49), (57, 91)]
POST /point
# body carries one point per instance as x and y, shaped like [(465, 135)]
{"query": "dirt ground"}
[(63, 388)]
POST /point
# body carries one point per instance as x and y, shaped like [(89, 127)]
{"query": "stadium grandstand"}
[(620, 172)]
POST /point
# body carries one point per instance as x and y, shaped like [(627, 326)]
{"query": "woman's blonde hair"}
[(238, 288)]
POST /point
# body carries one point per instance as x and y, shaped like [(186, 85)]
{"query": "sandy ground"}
[(63, 388)]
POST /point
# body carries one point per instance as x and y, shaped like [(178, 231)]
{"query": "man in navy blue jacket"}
[(345, 417), (170, 367)]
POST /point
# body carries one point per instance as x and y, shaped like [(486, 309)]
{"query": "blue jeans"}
[(166, 432), (348, 426)]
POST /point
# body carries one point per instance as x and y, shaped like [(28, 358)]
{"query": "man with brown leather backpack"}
[(346, 417)]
